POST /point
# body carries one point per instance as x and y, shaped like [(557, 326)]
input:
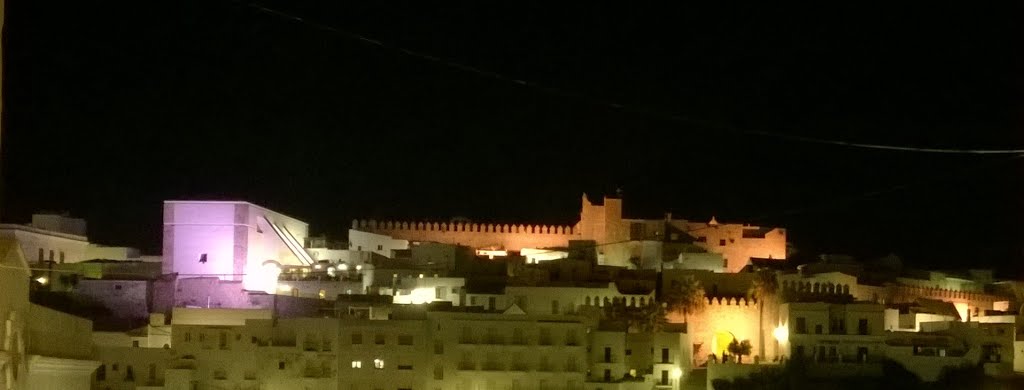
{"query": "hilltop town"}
[(243, 297)]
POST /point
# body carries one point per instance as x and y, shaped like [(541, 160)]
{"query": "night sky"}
[(112, 107)]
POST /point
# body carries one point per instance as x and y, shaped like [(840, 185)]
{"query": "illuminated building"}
[(620, 241), (40, 348), (233, 241)]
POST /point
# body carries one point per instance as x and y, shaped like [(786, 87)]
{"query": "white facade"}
[(233, 241), (377, 243), (39, 245), (426, 289), (40, 348)]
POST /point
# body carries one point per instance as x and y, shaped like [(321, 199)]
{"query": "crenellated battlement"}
[(456, 227), (729, 301)]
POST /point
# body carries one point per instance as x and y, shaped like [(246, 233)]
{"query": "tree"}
[(686, 296), (740, 348), (765, 287)]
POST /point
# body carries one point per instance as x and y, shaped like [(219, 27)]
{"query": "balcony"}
[(493, 366)]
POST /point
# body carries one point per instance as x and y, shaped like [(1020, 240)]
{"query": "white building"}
[(40, 348), (233, 241)]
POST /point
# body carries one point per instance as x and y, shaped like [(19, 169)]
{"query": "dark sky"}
[(112, 107)]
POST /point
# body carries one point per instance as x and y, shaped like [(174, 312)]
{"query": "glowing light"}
[(343, 267), (42, 280), (421, 276), (378, 363), (781, 333), (677, 373), (359, 267), (357, 364), (317, 266), (284, 287)]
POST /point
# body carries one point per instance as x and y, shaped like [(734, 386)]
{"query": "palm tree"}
[(765, 287), (686, 296)]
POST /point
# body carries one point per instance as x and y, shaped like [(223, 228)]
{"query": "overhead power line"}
[(618, 106)]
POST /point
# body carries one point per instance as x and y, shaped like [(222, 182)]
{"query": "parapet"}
[(387, 226)]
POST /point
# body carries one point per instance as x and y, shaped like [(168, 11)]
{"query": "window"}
[(570, 337), (607, 375), (378, 339), (220, 374), (357, 338), (438, 347), (472, 301), (554, 307), (135, 343), (188, 337), (357, 364), (607, 354), (440, 292), (862, 354), (439, 372), (51, 254), (518, 337), (40, 255), (280, 365), (378, 364), (799, 351), (862, 326), (322, 294), (101, 373), (801, 326), (545, 336), (222, 340), (129, 374), (664, 377), (380, 247), (492, 303), (629, 352), (817, 329), (636, 231), (405, 366), (664, 355), (117, 287), (721, 242), (62, 257), (405, 339)]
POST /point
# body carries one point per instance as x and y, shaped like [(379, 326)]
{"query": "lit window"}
[(378, 364), (357, 364)]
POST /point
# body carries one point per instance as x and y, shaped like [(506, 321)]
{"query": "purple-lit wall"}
[(235, 236)]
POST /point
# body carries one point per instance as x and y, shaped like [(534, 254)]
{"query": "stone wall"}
[(508, 237), (736, 317)]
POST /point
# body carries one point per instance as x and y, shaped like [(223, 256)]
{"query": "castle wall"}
[(739, 317), (508, 237)]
